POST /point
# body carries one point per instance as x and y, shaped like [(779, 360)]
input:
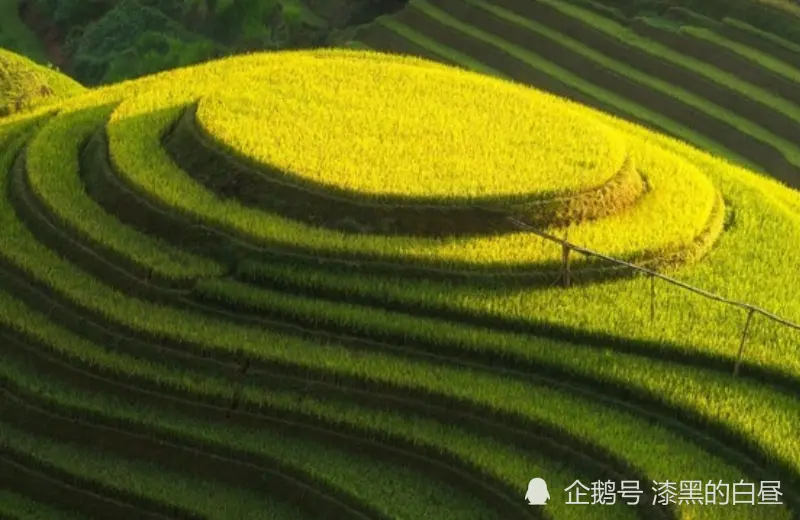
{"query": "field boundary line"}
[(751, 309)]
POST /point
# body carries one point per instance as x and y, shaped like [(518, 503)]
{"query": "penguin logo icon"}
[(537, 494)]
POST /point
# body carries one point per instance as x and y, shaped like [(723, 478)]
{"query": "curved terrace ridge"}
[(179, 330), (232, 175), (163, 191)]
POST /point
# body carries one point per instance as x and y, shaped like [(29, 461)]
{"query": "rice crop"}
[(386, 487), (655, 378), (761, 59), (508, 151), (549, 76), (484, 453), (22, 508), (358, 381), (166, 322), (149, 481), (378, 421), (136, 154), (53, 172)]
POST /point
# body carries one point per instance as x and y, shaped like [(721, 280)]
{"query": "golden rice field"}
[(470, 139), (262, 287)]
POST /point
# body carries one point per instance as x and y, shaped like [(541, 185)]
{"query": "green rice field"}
[(264, 287)]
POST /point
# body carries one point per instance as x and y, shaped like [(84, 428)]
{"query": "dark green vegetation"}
[(103, 41)]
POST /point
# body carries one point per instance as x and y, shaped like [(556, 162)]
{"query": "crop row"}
[(310, 371), (16, 323), (683, 106), (53, 168), (295, 347), (767, 43), (82, 325), (747, 59), (756, 212), (246, 458), (8, 154), (125, 376), (660, 62), (646, 377), (373, 371), (249, 183), (288, 405), (159, 493), (140, 350), (674, 60), (706, 46), (636, 234)]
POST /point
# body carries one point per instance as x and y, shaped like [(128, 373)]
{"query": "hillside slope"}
[(721, 85), (333, 313), (25, 84)]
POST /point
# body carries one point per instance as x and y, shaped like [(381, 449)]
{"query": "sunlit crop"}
[(470, 138), (137, 125), (338, 345)]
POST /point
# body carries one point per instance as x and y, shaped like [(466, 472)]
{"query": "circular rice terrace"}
[(202, 315), (471, 155)]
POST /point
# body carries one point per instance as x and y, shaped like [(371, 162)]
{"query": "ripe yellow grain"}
[(378, 128)]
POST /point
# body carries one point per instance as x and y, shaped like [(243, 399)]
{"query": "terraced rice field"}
[(721, 85), (210, 313)]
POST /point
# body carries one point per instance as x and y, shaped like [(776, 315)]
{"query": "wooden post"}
[(565, 262), (652, 298), (237, 392), (744, 337)]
